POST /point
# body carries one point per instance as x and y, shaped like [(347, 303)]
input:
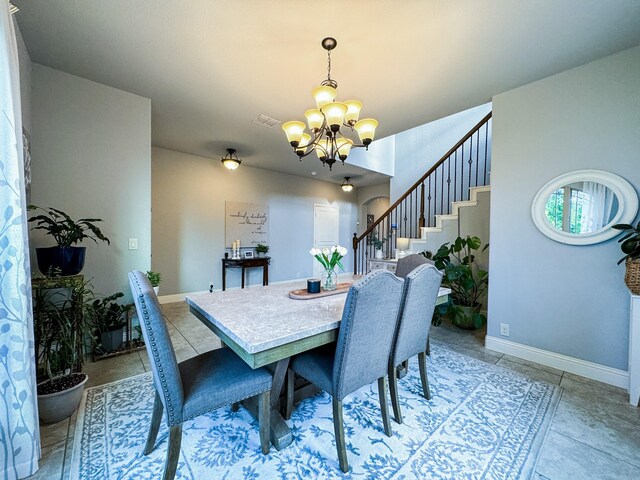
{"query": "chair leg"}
[(393, 388), (428, 346), (288, 394), (173, 452), (338, 427), (235, 407), (156, 418), (422, 361), (264, 420), (384, 405)]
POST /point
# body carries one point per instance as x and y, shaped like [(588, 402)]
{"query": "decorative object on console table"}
[(154, 278), (630, 245), (313, 285), (377, 243), (59, 330), (329, 259), (65, 257), (262, 249), (402, 245), (248, 254), (468, 283)]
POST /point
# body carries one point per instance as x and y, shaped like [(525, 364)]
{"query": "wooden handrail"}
[(471, 132)]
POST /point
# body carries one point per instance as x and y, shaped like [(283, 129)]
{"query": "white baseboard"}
[(611, 376), (179, 297)]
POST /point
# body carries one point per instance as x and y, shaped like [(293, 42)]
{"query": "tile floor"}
[(595, 433)]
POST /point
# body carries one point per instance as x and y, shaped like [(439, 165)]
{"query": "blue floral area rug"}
[(483, 422)]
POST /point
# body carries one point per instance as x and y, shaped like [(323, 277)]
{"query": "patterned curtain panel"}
[(19, 433)]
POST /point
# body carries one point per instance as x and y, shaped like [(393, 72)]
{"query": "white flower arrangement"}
[(329, 258)]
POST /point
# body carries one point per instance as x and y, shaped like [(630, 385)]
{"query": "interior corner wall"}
[(418, 149), (188, 197), (565, 299), (366, 195), (91, 157), (25, 79)]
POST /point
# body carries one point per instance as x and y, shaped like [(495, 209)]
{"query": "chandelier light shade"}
[(347, 186), (329, 122), (231, 160)]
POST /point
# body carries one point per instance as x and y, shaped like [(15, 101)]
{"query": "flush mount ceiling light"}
[(231, 160), (325, 121), (347, 186)]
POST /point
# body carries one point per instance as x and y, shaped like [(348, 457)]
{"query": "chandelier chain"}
[(328, 64)]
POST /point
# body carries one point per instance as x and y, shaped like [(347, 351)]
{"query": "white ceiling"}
[(210, 66)]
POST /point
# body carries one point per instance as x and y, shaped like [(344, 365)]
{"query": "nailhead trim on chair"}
[(167, 398)]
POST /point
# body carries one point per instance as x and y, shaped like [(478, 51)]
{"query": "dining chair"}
[(405, 266), (193, 387), (361, 353), (419, 295), (409, 263)]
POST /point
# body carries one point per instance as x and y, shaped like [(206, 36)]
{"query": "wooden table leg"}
[(280, 433), (242, 277), (224, 277)]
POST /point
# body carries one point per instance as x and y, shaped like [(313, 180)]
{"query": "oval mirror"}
[(580, 207)]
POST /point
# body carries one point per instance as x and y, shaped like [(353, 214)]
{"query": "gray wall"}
[(418, 149), (189, 194), (92, 158), (566, 299), (25, 78)]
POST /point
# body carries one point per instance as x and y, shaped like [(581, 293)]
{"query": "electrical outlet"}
[(504, 329), (211, 286)]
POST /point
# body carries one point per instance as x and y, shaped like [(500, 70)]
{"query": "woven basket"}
[(632, 275)]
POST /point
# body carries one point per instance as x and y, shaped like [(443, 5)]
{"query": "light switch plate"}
[(133, 244)]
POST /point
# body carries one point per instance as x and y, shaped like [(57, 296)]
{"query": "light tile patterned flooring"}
[(595, 433)]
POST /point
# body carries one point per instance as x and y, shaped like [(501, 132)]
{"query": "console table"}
[(244, 263)]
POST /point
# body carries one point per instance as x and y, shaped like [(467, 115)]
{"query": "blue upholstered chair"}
[(201, 384), (409, 263), (361, 354), (405, 266), (419, 295)]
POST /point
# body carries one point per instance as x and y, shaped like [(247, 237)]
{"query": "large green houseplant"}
[(60, 328), (630, 245), (67, 233), (467, 281), (107, 319)]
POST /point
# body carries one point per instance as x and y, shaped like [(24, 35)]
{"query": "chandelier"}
[(325, 122)]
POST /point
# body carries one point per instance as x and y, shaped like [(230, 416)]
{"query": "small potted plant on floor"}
[(468, 282), (67, 233), (262, 250), (630, 245), (154, 278), (60, 329), (106, 316)]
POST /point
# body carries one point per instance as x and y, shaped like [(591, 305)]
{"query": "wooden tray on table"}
[(302, 294)]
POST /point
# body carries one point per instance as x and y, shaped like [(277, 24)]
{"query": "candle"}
[(238, 244), (233, 245)]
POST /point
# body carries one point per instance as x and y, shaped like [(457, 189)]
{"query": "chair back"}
[(164, 365), (366, 332), (419, 297), (409, 263)]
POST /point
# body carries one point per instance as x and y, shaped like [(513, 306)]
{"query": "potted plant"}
[(60, 329), (630, 245), (262, 250), (154, 278), (377, 243), (468, 283), (106, 317), (67, 233), (329, 259)]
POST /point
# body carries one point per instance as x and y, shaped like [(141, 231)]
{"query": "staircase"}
[(438, 201)]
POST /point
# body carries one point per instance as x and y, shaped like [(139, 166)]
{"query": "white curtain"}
[(19, 432), (596, 207)]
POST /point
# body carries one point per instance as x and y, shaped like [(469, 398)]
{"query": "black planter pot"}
[(70, 260), (111, 341)]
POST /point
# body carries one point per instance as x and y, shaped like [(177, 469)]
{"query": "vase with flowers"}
[(329, 258)]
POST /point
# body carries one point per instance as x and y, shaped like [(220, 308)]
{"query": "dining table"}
[(265, 327)]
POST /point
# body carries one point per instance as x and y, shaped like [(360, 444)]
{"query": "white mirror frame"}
[(623, 190)]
